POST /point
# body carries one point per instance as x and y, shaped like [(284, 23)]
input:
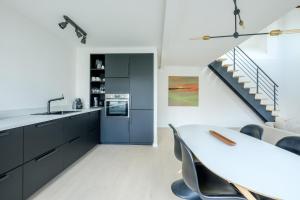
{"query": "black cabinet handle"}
[(44, 124), (4, 133), (73, 140), (45, 155), (4, 177)]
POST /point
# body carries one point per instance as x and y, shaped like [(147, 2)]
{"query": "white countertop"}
[(253, 164), (25, 120)]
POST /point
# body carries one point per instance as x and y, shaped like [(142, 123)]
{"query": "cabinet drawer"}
[(74, 126), (40, 138), (11, 185), (115, 130), (92, 139), (94, 121), (73, 150), (40, 170), (11, 149)]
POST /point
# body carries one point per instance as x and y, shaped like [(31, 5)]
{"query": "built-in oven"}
[(117, 105)]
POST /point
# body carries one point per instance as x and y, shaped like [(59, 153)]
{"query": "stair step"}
[(266, 103), (230, 70), (271, 108), (227, 65), (253, 91), (260, 96), (249, 85), (237, 75), (244, 80), (221, 59)]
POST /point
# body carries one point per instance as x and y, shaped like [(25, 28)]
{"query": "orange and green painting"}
[(183, 90)]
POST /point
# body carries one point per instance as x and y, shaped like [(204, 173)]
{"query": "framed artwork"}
[(183, 91)]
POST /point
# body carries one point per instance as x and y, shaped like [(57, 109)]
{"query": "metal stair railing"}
[(263, 83)]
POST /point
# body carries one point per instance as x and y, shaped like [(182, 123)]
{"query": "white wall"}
[(34, 64), (218, 104), (281, 61)]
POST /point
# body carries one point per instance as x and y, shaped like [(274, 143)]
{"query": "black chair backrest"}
[(291, 144), (177, 147), (189, 172), (253, 131)]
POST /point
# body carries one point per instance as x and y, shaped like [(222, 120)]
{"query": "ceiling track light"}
[(78, 30)]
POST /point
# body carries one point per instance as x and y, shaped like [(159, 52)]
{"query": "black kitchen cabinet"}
[(73, 150), (11, 185), (48, 148), (94, 121), (84, 139), (93, 134), (74, 127), (141, 126), (141, 81), (114, 130), (40, 170), (116, 65), (40, 138), (11, 149), (117, 86)]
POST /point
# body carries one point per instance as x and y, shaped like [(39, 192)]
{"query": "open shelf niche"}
[(97, 80)]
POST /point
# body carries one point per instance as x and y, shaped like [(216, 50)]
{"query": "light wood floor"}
[(110, 172)]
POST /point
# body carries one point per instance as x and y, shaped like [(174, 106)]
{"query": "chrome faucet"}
[(51, 100)]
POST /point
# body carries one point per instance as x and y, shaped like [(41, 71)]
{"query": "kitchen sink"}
[(57, 112)]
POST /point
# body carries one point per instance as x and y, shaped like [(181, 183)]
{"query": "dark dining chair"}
[(291, 144), (253, 131), (206, 184), (179, 188)]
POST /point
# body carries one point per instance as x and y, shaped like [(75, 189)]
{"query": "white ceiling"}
[(109, 23), (188, 18), (165, 24)]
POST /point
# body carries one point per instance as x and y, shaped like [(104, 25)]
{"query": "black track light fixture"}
[(63, 25), (83, 40), (78, 30), (78, 33)]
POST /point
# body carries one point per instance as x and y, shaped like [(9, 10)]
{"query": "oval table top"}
[(253, 164)]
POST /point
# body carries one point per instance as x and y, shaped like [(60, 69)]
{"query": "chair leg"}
[(180, 189)]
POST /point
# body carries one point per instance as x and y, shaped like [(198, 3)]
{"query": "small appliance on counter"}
[(96, 104), (77, 104)]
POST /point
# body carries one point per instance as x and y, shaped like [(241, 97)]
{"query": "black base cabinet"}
[(72, 151), (11, 149), (141, 127), (40, 138), (49, 148), (40, 170), (11, 185), (114, 130)]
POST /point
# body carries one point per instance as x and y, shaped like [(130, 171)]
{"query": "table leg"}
[(245, 192)]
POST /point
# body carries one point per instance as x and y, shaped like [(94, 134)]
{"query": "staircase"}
[(249, 82)]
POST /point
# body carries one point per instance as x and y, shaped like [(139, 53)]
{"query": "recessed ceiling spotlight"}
[(79, 31)]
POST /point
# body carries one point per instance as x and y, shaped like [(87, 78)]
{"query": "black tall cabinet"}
[(133, 74), (141, 93)]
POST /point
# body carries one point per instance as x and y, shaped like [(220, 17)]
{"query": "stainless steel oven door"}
[(117, 107)]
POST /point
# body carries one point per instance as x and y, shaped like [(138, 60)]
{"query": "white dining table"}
[(251, 165)]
